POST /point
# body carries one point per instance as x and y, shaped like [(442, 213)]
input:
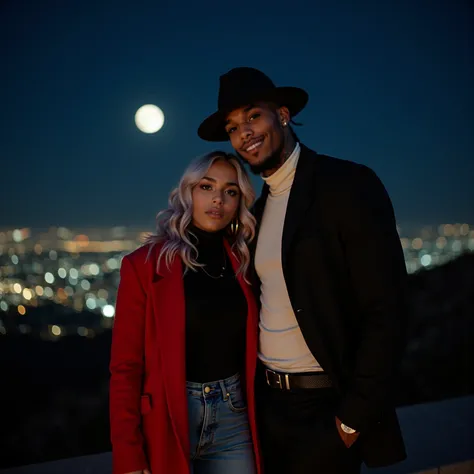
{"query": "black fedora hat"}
[(243, 86)]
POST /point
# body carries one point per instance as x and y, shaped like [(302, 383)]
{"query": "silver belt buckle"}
[(279, 379)]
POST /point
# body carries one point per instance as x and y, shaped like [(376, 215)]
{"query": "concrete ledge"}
[(100, 464), (439, 438), (437, 435), (460, 468), (94, 464)]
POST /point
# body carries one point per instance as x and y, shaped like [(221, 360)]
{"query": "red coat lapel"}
[(169, 309)]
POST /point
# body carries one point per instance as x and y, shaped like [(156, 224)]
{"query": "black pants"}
[(298, 432)]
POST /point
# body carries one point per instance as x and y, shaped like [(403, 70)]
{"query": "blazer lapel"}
[(299, 200), (169, 312)]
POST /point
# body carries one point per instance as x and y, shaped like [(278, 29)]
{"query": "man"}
[(332, 276)]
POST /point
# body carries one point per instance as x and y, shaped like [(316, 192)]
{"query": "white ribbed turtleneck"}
[(281, 180), (282, 346)]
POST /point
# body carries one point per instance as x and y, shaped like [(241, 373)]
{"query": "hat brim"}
[(212, 129)]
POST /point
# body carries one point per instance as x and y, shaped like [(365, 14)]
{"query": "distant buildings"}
[(79, 269), (435, 246), (76, 269)]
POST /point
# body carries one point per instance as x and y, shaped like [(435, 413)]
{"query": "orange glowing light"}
[(82, 241), (448, 229), (417, 243), (62, 295)]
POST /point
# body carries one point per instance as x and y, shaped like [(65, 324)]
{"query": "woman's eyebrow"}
[(229, 183)]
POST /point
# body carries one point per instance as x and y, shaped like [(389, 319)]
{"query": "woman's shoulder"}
[(144, 256)]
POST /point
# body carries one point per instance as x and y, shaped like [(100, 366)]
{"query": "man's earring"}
[(284, 123)]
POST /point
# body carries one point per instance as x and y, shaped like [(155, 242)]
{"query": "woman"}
[(184, 345)]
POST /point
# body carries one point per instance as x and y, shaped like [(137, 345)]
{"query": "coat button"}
[(207, 389)]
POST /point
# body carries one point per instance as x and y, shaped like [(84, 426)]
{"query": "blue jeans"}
[(219, 431)]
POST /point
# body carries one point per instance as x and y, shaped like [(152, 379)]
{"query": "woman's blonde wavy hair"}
[(173, 222)]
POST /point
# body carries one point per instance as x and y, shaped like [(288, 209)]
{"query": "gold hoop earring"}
[(234, 227)]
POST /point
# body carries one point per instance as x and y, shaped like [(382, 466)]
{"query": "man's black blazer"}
[(345, 273)]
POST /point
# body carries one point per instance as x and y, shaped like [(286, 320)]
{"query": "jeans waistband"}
[(224, 385)]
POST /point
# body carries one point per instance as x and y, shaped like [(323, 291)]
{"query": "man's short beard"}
[(269, 163)]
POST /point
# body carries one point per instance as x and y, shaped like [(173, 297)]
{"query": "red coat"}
[(148, 399)]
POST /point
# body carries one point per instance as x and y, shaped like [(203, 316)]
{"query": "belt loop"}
[(225, 393)]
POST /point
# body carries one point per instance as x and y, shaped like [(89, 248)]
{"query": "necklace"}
[(223, 269)]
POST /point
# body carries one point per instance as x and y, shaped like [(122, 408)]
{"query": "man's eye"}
[(231, 130), (206, 187), (254, 116)]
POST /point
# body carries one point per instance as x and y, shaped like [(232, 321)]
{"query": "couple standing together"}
[(261, 337)]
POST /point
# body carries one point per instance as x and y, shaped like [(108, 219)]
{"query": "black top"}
[(216, 314)]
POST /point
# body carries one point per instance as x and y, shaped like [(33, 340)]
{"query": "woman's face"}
[(216, 197)]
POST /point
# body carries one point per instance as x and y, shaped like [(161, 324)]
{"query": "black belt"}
[(297, 381)]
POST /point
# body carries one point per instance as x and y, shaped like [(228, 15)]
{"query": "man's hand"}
[(349, 439), (145, 471)]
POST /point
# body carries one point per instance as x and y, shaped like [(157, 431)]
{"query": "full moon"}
[(149, 118)]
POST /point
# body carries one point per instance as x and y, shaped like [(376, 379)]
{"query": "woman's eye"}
[(231, 130), (254, 116), (206, 187), (232, 192)]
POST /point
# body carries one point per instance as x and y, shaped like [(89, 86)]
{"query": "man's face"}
[(256, 134)]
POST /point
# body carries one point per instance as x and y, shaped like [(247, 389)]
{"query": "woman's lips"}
[(215, 214)]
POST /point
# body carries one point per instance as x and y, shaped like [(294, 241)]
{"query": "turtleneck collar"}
[(206, 239), (281, 180)]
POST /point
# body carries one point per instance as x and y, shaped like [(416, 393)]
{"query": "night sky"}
[(390, 86)]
